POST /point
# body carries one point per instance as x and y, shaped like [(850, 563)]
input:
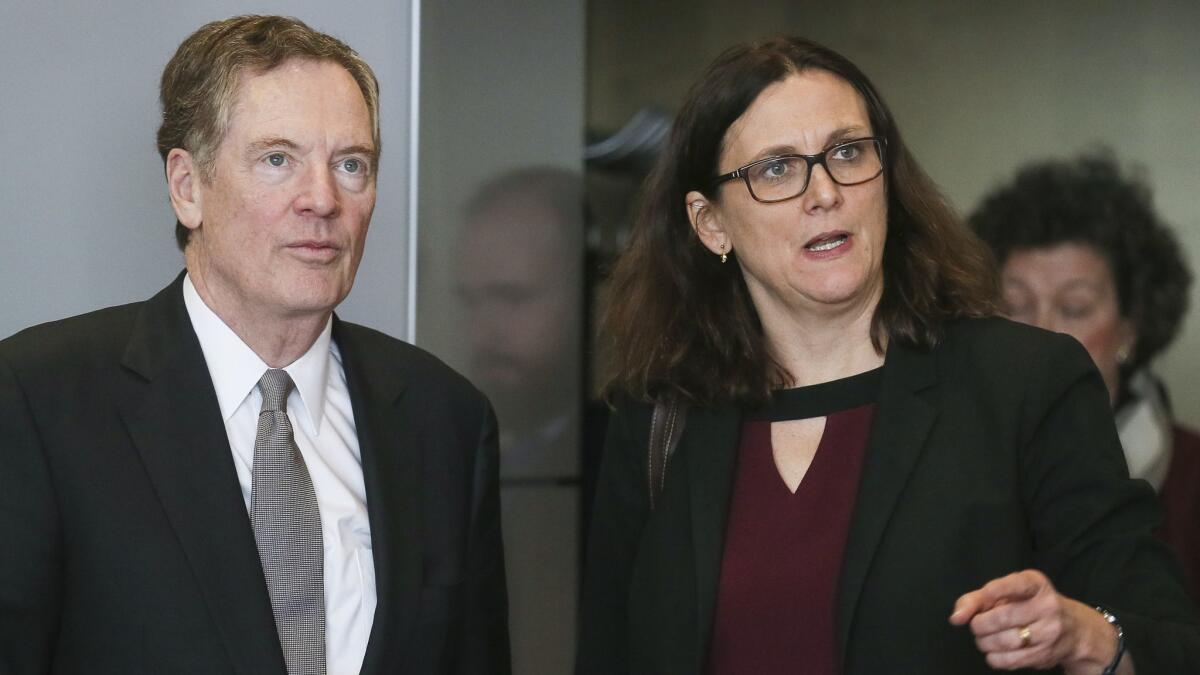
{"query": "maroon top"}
[(1180, 497), (783, 551)]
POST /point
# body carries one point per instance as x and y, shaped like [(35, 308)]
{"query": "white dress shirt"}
[(323, 424)]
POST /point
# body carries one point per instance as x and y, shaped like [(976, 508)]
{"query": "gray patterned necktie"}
[(287, 529)]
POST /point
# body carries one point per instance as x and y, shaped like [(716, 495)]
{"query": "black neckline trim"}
[(820, 400)]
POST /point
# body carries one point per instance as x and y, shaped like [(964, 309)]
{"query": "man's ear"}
[(707, 223), (183, 184)]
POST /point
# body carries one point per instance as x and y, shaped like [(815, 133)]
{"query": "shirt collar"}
[(235, 369), (1144, 426)]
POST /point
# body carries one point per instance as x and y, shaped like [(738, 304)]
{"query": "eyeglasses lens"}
[(782, 178)]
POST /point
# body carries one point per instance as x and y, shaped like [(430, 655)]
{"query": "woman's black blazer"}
[(991, 453)]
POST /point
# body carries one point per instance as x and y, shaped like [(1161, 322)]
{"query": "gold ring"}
[(1026, 636)]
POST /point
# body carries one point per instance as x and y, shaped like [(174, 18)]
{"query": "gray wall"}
[(978, 88), (86, 221)]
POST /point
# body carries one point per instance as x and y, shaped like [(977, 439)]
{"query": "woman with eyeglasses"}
[(1082, 252), (873, 474)]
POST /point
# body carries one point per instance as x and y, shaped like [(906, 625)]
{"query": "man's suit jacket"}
[(992, 453), (125, 545)]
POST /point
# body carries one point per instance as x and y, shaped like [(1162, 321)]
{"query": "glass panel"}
[(499, 275)]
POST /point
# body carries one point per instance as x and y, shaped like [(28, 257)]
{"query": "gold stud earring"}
[(723, 256)]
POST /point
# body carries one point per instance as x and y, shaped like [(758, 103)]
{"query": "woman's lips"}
[(827, 245)]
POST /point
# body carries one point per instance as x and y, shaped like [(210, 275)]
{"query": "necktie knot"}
[(275, 386)]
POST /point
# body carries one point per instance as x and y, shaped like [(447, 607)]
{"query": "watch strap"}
[(1112, 620)]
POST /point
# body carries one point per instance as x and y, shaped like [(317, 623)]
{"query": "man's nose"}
[(318, 192)]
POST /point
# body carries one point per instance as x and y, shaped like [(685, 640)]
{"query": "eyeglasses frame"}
[(810, 161)]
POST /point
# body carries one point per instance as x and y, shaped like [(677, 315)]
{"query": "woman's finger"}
[(1022, 637), (1016, 614)]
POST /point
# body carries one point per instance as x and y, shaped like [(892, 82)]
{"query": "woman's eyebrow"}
[(839, 135)]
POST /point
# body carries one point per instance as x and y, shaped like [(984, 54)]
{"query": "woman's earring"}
[(1122, 354), (723, 256)]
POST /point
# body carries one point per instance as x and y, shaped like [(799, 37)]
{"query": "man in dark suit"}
[(226, 478)]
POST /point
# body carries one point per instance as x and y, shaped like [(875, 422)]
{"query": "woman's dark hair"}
[(1088, 201), (679, 322)]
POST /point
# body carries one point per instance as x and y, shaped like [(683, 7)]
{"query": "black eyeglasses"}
[(784, 177)]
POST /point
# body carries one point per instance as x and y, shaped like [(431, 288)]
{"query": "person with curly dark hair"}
[(874, 473), (1082, 251)]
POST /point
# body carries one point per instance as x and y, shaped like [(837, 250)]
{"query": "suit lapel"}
[(709, 447), (902, 423), (175, 423), (390, 439)]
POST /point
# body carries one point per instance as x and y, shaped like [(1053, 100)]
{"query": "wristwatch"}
[(1112, 620)]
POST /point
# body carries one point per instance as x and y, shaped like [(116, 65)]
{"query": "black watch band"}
[(1112, 620)]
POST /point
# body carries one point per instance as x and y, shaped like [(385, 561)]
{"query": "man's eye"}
[(352, 165), (277, 159)]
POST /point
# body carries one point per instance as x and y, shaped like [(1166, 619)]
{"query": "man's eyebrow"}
[(271, 142), (279, 142), (367, 150)]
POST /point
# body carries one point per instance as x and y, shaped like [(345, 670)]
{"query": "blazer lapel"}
[(389, 437), (902, 423), (175, 423), (709, 446)]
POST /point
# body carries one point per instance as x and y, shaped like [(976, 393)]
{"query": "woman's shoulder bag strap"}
[(666, 426)]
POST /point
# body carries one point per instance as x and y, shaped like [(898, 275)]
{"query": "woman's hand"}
[(1020, 621)]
